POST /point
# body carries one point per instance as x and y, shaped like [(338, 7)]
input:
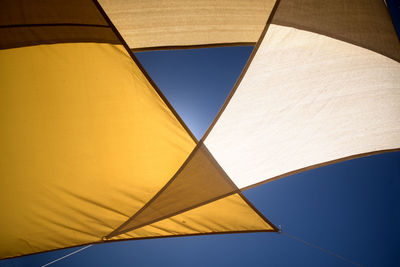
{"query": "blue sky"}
[(350, 208), (196, 81)]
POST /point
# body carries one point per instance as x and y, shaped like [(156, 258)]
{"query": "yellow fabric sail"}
[(88, 143)]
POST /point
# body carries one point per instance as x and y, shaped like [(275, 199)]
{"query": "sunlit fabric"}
[(78, 155), (147, 24), (306, 99), (227, 215), (323, 86)]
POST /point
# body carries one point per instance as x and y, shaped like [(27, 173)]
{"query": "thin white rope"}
[(321, 249), (286, 234), (66, 256)]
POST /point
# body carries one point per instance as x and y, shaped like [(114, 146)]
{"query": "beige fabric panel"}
[(85, 143), (230, 214), (306, 99), (199, 180), (366, 23), (184, 22)]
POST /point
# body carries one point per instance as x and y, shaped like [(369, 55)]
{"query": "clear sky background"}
[(350, 208)]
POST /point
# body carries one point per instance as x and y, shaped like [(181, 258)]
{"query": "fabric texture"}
[(145, 24), (199, 180), (306, 99), (366, 23), (86, 143), (226, 215)]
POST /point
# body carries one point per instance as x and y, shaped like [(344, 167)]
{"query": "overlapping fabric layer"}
[(27, 22), (198, 181), (87, 141), (223, 215)]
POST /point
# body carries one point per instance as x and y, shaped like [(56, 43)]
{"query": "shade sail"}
[(87, 141), (77, 149), (308, 97)]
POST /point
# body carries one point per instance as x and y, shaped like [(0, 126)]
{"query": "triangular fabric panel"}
[(226, 215), (198, 181), (308, 99), (145, 24)]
